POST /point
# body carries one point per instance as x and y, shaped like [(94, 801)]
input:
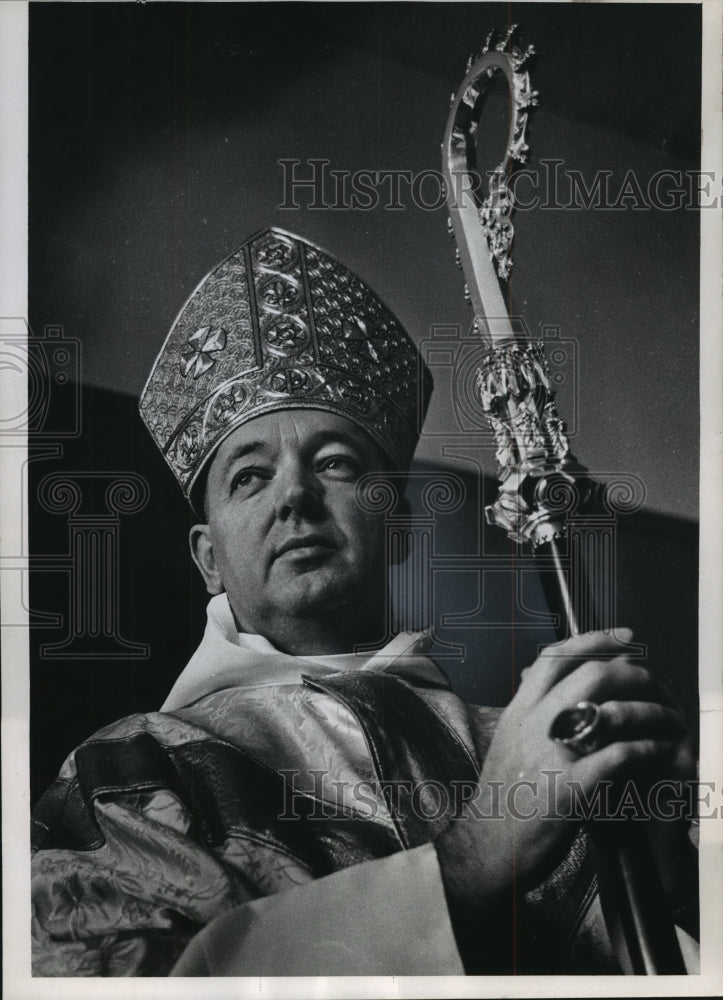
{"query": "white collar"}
[(227, 659)]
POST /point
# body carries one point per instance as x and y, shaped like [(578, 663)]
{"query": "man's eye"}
[(340, 466), (245, 478)]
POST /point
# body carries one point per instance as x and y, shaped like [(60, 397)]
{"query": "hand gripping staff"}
[(541, 482)]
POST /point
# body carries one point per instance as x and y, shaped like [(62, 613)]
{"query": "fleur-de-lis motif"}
[(278, 293), (197, 358), (189, 446)]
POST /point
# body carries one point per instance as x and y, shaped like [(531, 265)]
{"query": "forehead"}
[(293, 430)]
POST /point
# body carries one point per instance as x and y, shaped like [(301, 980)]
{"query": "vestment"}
[(253, 783)]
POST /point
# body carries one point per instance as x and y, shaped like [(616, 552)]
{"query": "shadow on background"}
[(129, 606)]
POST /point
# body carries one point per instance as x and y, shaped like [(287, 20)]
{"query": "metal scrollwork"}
[(491, 215), (541, 483)]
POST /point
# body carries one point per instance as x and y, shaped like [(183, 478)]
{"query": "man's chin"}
[(313, 592)]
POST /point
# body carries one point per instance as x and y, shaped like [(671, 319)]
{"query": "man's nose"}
[(299, 494)]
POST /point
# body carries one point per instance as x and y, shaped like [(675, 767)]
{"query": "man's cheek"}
[(374, 528)]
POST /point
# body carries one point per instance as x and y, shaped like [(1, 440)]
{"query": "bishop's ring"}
[(579, 728)]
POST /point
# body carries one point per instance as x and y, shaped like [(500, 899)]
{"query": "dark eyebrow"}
[(316, 442), (240, 452)]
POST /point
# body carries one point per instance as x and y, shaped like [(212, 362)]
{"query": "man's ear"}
[(199, 539)]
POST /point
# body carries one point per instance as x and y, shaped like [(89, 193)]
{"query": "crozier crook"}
[(541, 483)]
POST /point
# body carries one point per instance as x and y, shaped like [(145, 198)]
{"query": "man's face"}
[(285, 534)]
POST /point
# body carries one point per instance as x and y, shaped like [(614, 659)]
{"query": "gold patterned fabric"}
[(267, 779), (281, 324)]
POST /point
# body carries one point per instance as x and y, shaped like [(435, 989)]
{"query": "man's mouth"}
[(305, 547)]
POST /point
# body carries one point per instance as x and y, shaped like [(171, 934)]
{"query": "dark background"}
[(155, 135)]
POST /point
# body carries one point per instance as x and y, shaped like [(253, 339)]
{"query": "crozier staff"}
[(543, 487), (167, 844)]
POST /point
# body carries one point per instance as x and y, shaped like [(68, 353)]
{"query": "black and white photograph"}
[(361, 451)]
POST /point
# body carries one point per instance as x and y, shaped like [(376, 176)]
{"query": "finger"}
[(638, 720), (623, 759), (604, 680), (560, 659), (616, 721)]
